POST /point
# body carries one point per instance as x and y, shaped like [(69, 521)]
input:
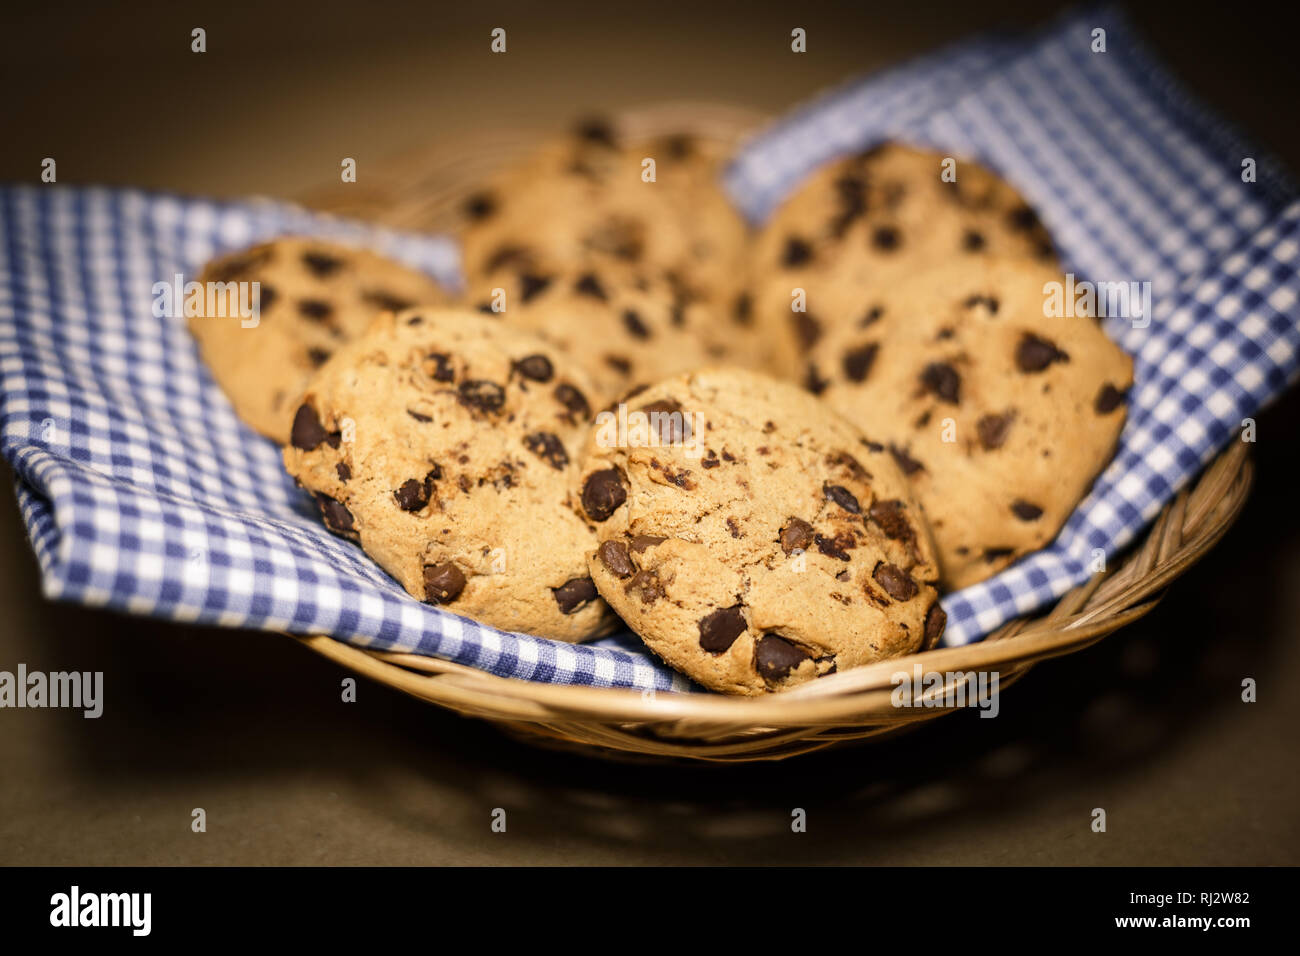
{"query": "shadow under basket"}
[(423, 190)]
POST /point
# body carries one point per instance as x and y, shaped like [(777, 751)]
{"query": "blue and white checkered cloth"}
[(143, 492)]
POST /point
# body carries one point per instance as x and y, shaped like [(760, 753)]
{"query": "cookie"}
[(623, 325), (752, 538), (1001, 417), (585, 195), (314, 296), (443, 442), (868, 220)]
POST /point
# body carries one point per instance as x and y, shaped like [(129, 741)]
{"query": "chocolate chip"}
[(796, 536), (507, 255), (531, 286), (321, 264), (888, 515), (337, 516), (719, 630), (603, 493), (389, 303), (886, 238), (635, 327), (973, 241), (442, 583), (1023, 218), (479, 206), (896, 582), (318, 356), (481, 394), (775, 657), (858, 361), (643, 541), (613, 555), (315, 309), (536, 367), (307, 431), (942, 380), (906, 462), (993, 430), (573, 400), (1108, 399), (588, 284), (597, 131), (442, 367), (872, 316), (842, 497), (989, 302), (549, 448), (997, 554), (343, 470), (646, 586), (574, 593), (837, 547), (743, 311), (852, 194), (1026, 511), (679, 145), (807, 329), (414, 495), (936, 619), (796, 252), (667, 418), (619, 363), (813, 380), (1034, 354), (265, 296), (423, 419)]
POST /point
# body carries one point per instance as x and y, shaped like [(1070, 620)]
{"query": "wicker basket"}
[(422, 191)]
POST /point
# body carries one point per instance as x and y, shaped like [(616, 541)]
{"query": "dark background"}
[(1148, 724)]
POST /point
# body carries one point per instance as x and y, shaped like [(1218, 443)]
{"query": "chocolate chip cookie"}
[(869, 219), (443, 442), (1000, 416), (313, 297), (623, 325), (753, 538), (587, 194)]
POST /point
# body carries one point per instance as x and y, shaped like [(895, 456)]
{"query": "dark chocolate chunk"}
[(989, 302), (307, 431), (1025, 510), (442, 583), (993, 430), (481, 394), (535, 367), (743, 310), (1034, 354), (531, 286), (646, 586), (574, 593), (807, 329), (602, 493), (634, 325), (442, 367), (719, 630), (896, 582), (318, 356), (775, 657), (315, 309), (588, 284), (936, 619), (597, 131), (796, 252), (905, 461), (548, 447), (889, 517), (837, 547), (643, 541), (343, 470), (871, 316), (479, 206), (613, 555), (573, 400), (943, 381), (265, 296), (337, 516), (886, 238), (321, 264), (1108, 399), (973, 240), (842, 497), (858, 361), (389, 302)]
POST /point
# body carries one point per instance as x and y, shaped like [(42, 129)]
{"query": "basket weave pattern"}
[(422, 190)]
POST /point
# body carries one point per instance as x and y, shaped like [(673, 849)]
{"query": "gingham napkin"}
[(143, 492)]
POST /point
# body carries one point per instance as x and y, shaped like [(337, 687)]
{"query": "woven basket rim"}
[(422, 191)]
